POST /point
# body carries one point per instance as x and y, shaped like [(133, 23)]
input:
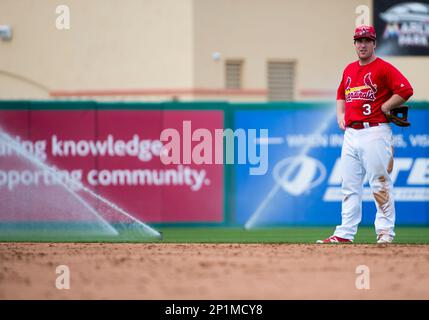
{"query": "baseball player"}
[(369, 90)]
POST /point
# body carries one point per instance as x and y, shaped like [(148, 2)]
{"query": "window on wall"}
[(233, 74), (281, 80)]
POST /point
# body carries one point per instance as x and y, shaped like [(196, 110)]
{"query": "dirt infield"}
[(213, 271)]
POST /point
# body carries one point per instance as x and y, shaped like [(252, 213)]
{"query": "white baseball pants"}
[(367, 151)]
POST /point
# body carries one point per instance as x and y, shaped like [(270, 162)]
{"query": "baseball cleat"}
[(384, 238), (335, 239)]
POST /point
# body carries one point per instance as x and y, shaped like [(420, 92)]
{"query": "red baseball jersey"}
[(366, 88)]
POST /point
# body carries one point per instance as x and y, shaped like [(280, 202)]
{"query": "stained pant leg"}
[(377, 157)]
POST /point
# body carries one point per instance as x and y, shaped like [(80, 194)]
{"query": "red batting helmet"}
[(364, 32)]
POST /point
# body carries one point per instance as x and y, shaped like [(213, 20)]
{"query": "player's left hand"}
[(399, 116), (385, 109)]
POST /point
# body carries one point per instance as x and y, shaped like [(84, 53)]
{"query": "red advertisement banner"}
[(112, 153)]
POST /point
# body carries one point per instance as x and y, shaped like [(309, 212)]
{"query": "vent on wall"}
[(281, 78), (5, 32), (233, 74)]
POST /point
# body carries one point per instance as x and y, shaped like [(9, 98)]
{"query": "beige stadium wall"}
[(162, 49), (317, 35), (111, 47)]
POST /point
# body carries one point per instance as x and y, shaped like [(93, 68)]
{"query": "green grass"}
[(284, 235), (404, 235)]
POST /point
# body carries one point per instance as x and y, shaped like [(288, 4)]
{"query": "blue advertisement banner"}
[(303, 183)]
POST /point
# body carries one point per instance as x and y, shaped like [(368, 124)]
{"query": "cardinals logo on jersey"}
[(366, 92)]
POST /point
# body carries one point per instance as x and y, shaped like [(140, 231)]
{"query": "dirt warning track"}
[(213, 271)]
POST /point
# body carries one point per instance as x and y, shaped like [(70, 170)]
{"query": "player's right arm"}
[(340, 114), (341, 103)]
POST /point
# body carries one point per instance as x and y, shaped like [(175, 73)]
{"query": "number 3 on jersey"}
[(367, 108)]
